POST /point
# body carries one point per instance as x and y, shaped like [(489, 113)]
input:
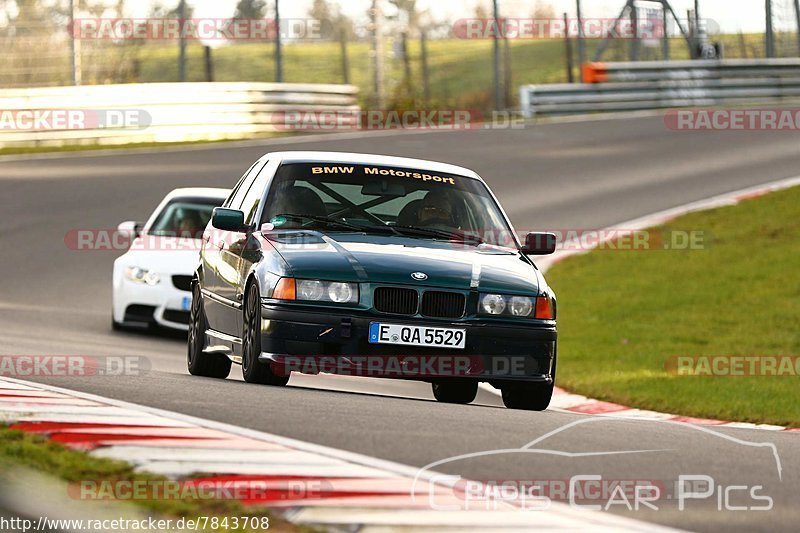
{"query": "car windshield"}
[(381, 199), (184, 217)]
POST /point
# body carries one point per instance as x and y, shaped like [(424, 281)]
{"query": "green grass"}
[(622, 315), (37, 453), (461, 71)]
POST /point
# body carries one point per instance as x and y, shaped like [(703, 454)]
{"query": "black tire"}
[(528, 396), (253, 370), (201, 363), (460, 391)]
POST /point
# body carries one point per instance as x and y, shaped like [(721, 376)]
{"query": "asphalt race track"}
[(54, 300)]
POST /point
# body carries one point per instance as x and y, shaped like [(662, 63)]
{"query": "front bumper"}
[(137, 304), (311, 341)]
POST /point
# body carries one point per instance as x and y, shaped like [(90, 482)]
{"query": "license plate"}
[(186, 303), (432, 337)]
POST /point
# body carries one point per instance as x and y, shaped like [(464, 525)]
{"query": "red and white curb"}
[(563, 400), (345, 490), (575, 403)]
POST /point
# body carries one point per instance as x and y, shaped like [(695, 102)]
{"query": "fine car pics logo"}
[(419, 276)]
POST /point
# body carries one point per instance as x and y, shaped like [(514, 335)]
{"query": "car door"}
[(230, 288), (252, 206), (217, 263)]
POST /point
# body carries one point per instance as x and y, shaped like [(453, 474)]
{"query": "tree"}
[(343, 25), (321, 11), (481, 12), (158, 11), (251, 9), (407, 9), (543, 10)]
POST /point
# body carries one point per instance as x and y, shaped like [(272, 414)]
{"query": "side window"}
[(229, 199), (240, 193), (253, 197)]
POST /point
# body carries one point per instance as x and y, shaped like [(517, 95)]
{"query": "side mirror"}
[(227, 219), (130, 228), (539, 244)]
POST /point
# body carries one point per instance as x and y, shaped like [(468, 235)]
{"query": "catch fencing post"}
[(75, 44), (568, 49), (278, 53)]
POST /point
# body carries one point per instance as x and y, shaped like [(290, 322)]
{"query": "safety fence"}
[(159, 112), (636, 86)]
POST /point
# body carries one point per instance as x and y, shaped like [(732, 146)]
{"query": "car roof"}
[(370, 159), (214, 193)]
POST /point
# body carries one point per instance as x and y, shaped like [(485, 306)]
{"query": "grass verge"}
[(37, 453), (624, 314)]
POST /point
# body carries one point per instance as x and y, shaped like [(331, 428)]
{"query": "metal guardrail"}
[(616, 87), (169, 112)]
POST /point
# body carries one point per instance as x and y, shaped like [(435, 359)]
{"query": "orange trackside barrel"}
[(595, 73)]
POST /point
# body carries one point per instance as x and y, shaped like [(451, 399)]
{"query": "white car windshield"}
[(184, 217)]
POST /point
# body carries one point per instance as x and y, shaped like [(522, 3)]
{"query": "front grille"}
[(173, 315), (395, 300), (440, 304), (183, 283)]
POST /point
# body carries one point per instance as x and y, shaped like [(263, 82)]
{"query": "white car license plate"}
[(433, 337), (186, 303)]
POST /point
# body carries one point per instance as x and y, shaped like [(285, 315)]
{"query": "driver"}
[(189, 224), (436, 210)]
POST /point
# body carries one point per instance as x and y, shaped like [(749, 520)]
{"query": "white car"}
[(152, 280)]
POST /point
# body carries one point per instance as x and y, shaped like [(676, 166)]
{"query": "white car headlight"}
[(326, 291), (500, 304), (341, 292), (309, 289), (142, 275), (520, 306), (493, 304)]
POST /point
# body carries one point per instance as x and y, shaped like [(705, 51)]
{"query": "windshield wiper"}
[(397, 230), (323, 220), (439, 233)]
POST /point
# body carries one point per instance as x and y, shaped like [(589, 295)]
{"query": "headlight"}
[(493, 304), (519, 306), (309, 289), (341, 292), (313, 290), (142, 275)]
